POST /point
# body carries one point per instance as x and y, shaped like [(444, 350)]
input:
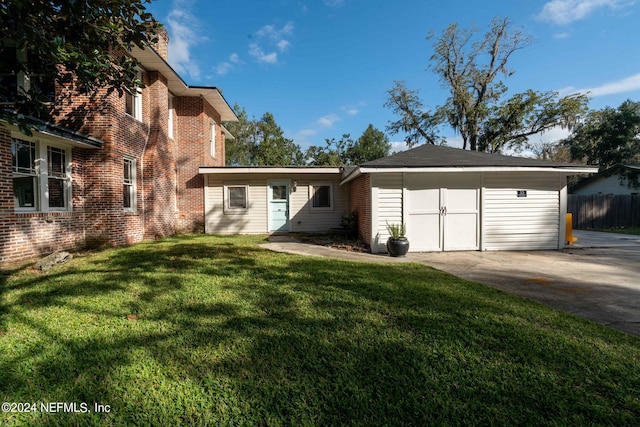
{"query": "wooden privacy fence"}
[(604, 211)]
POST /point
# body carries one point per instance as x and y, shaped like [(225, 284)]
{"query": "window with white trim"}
[(133, 101), (25, 176), (170, 117), (236, 198), (213, 138), (129, 191), (57, 179), (321, 196), (41, 176)]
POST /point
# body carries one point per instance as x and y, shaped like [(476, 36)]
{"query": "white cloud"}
[(328, 120), (561, 35), (260, 56), (273, 37), (564, 12), (628, 84), (397, 146), (351, 110), (183, 29), (554, 134), (283, 45), (275, 34), (224, 67), (307, 132), (333, 3)]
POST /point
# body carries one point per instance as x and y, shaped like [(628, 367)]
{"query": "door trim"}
[(270, 185)]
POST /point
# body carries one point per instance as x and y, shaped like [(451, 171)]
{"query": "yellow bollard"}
[(568, 234)]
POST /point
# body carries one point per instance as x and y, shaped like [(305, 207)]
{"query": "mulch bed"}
[(334, 241)]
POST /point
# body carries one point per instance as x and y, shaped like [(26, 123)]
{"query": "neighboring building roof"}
[(604, 174), (152, 61), (68, 136)]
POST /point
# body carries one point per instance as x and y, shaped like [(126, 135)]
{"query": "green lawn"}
[(230, 334), (629, 230)]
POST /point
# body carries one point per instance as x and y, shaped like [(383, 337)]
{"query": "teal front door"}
[(278, 207)]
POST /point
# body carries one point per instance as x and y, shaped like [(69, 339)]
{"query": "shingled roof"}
[(435, 156)]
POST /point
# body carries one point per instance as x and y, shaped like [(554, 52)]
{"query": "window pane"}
[(279, 192), (23, 155), (57, 162), (23, 192), (56, 193), (322, 196), (128, 99), (126, 193), (128, 184), (128, 175), (237, 197)]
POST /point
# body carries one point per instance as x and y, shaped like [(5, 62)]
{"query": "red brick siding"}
[(360, 202), (192, 130), (166, 172), (158, 165)]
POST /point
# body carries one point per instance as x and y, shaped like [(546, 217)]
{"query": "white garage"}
[(452, 199)]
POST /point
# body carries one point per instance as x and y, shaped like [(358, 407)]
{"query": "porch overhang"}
[(54, 132)]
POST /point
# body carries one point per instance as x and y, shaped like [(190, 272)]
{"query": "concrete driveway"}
[(598, 278)]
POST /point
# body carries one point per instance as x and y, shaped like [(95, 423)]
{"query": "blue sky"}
[(323, 67)]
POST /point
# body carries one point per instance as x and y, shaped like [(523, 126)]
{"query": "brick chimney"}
[(162, 46)]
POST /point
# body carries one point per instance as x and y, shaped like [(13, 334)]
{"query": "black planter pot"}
[(398, 247)]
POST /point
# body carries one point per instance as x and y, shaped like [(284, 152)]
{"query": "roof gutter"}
[(152, 61), (67, 135), (229, 170)]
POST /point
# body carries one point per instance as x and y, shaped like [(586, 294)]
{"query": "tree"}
[(334, 153), (372, 145), (241, 150), (419, 125), (470, 67), (272, 147), (73, 42), (608, 137)]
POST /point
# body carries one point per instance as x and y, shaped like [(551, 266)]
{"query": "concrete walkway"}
[(598, 278)]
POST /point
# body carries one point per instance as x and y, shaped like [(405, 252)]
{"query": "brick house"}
[(112, 169)]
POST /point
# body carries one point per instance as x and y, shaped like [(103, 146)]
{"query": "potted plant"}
[(397, 244)]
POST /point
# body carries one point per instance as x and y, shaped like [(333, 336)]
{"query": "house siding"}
[(510, 222), (255, 220), (170, 191), (614, 184), (387, 207)]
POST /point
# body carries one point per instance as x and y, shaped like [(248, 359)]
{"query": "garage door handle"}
[(443, 210)]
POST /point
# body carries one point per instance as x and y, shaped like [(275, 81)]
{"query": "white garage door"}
[(522, 211), (443, 211)]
